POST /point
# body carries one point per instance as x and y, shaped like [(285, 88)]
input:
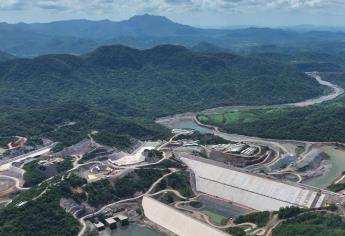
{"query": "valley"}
[(93, 169), (150, 127)]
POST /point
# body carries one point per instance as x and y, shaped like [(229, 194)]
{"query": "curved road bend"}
[(17, 181), (82, 220)]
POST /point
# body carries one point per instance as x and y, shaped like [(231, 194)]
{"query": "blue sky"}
[(206, 13)]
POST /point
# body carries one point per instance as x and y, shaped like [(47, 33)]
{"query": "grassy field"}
[(235, 118), (323, 122), (315, 123), (214, 217)]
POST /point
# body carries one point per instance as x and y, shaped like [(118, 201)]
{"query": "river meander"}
[(337, 156)]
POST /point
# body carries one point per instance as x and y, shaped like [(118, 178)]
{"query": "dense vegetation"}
[(312, 224), (324, 122), (5, 56), (181, 183), (100, 193), (103, 192), (204, 139), (317, 123), (236, 231), (258, 218), (40, 217), (118, 91), (337, 187), (288, 212), (65, 165), (34, 173)]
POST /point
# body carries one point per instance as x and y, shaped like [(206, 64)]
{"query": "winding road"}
[(82, 220), (17, 181), (288, 147)]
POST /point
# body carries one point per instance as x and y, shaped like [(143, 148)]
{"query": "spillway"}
[(250, 190), (176, 221)]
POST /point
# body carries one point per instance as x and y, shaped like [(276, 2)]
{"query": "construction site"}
[(215, 185)]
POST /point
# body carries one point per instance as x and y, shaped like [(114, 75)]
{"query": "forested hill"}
[(119, 90), (5, 56), (145, 31)]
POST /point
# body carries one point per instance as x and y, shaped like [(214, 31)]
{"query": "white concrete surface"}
[(175, 221), (7, 164), (247, 189), (137, 156)]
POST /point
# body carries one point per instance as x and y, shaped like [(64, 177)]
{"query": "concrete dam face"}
[(256, 192), (175, 221)]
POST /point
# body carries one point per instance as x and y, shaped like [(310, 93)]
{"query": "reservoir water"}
[(338, 166), (134, 230), (337, 156)]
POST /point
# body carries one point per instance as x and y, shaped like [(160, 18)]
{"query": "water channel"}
[(132, 230), (338, 166), (337, 156)]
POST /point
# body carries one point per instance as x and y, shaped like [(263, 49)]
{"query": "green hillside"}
[(118, 91), (5, 56), (323, 122)]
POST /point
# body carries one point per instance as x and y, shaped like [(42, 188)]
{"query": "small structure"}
[(99, 226), (123, 219), (249, 151), (111, 222), (238, 147)]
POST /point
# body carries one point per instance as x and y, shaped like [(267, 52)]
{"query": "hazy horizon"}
[(198, 13), (180, 22)]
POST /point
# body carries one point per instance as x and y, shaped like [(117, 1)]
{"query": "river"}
[(187, 121), (131, 230), (338, 166), (336, 92)]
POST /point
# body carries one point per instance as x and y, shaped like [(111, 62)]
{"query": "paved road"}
[(5, 165), (17, 181), (82, 220), (287, 146)]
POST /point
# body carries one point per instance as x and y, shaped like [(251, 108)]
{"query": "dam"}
[(254, 191), (176, 221)]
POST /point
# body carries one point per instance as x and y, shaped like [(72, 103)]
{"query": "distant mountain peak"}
[(148, 17), (5, 56), (169, 47)]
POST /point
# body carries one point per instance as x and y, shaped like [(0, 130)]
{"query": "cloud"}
[(52, 5), (164, 6), (12, 5)]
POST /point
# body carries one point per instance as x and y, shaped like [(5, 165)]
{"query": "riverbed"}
[(336, 92), (337, 167), (131, 230), (337, 160)]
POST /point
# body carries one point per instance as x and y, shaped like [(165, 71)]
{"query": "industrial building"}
[(111, 222), (176, 221), (249, 151), (253, 191), (99, 226), (122, 219)]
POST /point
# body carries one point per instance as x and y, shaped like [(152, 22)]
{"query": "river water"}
[(336, 92), (134, 230), (337, 156), (338, 166)]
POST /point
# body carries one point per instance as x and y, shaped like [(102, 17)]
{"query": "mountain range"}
[(145, 31), (5, 56), (119, 91)]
